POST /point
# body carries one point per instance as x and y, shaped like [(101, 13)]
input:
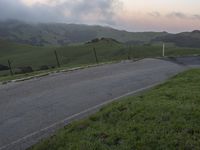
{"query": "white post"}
[(163, 49)]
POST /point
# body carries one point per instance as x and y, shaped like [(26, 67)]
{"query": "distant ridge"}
[(60, 34), (57, 34), (184, 39), (108, 40), (196, 31)]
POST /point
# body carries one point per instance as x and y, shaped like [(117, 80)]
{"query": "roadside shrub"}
[(44, 67), (22, 70), (3, 67), (93, 41), (53, 67)]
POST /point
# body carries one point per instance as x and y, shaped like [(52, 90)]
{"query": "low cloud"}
[(15, 9), (78, 11), (177, 15), (154, 14), (196, 16), (115, 13), (181, 15), (99, 11)]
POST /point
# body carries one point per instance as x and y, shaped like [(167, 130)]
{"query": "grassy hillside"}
[(22, 55), (166, 117), (35, 56), (59, 34), (43, 34), (155, 50), (185, 39)]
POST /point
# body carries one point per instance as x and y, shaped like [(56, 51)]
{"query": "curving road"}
[(33, 109)]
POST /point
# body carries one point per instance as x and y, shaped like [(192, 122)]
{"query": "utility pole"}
[(163, 53), (10, 67), (57, 60), (95, 54)]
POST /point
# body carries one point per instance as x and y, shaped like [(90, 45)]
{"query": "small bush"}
[(3, 67), (22, 70), (44, 67), (53, 67)]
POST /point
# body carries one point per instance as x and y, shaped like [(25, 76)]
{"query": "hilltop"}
[(184, 39), (60, 34)]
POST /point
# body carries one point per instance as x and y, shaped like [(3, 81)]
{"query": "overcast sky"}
[(132, 15)]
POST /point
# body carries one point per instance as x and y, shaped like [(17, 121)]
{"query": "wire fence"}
[(56, 58)]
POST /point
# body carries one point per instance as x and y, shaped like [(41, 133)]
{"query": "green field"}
[(82, 54), (166, 117)]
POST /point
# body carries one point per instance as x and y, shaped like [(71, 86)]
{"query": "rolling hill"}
[(185, 39), (60, 34), (34, 44), (107, 49), (36, 56)]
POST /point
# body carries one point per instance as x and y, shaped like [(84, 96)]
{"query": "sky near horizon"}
[(131, 15)]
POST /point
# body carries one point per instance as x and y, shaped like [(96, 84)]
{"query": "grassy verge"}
[(166, 117), (69, 55), (7, 78), (14, 77)]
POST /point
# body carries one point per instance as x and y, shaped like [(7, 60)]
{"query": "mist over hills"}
[(60, 33), (43, 34)]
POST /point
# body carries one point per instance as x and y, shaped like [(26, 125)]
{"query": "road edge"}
[(33, 138)]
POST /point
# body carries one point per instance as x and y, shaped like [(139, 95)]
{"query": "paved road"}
[(192, 61), (30, 109)]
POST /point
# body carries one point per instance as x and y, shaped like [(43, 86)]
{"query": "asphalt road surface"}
[(33, 109), (187, 61)]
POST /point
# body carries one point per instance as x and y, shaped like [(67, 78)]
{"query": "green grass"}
[(155, 50), (7, 78), (26, 55), (69, 56), (166, 117), (82, 54)]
